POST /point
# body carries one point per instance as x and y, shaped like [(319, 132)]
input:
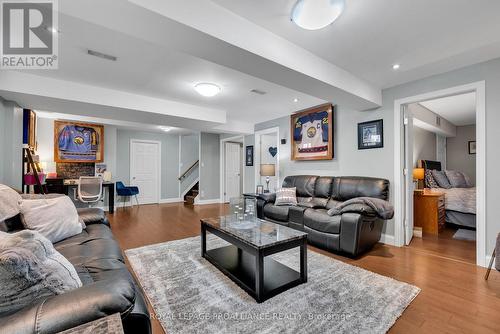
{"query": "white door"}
[(408, 169), (144, 170), (232, 171)]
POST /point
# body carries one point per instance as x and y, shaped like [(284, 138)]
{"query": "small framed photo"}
[(249, 156), (260, 189), (371, 134), (472, 147)]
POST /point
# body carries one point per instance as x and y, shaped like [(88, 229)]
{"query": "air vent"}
[(260, 92), (101, 55), (438, 121)]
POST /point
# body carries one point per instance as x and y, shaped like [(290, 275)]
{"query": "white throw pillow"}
[(30, 268), (286, 196), (10, 202), (55, 218)]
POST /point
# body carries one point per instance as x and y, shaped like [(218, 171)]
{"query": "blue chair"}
[(122, 190)]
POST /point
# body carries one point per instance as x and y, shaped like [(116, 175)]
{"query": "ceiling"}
[(458, 109), (426, 36)]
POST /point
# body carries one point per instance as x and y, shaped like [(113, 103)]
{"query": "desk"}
[(111, 193)]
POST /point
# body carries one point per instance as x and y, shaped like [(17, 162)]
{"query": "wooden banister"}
[(183, 175)]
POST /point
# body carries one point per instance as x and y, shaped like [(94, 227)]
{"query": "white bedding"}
[(459, 199)]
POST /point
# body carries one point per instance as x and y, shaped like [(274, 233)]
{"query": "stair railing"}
[(185, 174)]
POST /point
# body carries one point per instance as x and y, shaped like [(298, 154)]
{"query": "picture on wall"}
[(312, 133), (249, 156), (78, 142), (472, 147), (371, 134)]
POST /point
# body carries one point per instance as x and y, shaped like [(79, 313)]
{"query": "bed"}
[(460, 203)]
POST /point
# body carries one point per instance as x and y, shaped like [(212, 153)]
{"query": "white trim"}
[(171, 200), (207, 201), (180, 167), (480, 89), (133, 140), (223, 165), (189, 187), (387, 239), (257, 149)]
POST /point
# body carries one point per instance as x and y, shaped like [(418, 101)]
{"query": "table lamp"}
[(267, 170), (418, 176)]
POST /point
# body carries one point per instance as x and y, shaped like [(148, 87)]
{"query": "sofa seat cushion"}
[(275, 212), (319, 220)]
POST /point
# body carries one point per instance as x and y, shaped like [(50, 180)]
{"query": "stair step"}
[(195, 192), (190, 199)]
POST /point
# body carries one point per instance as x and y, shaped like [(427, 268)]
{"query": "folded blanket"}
[(369, 205)]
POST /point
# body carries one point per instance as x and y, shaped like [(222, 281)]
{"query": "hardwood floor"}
[(454, 297)]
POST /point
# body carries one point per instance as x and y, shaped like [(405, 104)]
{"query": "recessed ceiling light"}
[(295, 100), (165, 128), (52, 30), (316, 14), (396, 66), (207, 89)]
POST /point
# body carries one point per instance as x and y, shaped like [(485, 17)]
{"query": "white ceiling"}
[(458, 109), (425, 36)]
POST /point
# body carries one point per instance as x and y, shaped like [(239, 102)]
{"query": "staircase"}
[(191, 194)]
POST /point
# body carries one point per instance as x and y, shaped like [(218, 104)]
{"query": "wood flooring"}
[(454, 297)]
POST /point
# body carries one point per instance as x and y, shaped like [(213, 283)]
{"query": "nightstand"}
[(429, 211)]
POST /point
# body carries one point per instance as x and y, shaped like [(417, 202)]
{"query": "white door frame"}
[(257, 151), (223, 165), (480, 89), (158, 195)]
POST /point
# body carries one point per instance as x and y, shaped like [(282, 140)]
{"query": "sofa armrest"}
[(85, 304), (359, 232), (267, 197), (93, 216)]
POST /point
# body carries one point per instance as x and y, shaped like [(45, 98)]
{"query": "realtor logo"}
[(29, 34)]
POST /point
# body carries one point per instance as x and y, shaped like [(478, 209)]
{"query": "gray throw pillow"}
[(441, 179), (30, 268), (457, 179), (286, 196)]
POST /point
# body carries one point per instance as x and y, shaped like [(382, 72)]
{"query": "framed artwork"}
[(249, 156), (472, 147), (312, 133), (371, 134), (78, 142), (29, 128)]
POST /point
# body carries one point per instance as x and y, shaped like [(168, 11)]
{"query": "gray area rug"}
[(189, 295), (463, 234)]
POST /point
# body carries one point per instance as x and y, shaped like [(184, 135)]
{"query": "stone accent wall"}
[(73, 170)]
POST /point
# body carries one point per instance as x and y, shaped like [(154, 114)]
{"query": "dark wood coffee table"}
[(246, 260)]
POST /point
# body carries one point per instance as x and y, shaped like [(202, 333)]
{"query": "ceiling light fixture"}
[(295, 100), (165, 128), (396, 66), (207, 89), (52, 30), (316, 14)]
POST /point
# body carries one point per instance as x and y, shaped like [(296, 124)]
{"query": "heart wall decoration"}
[(273, 151)]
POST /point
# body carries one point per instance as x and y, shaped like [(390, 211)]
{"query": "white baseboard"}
[(171, 200), (207, 201), (387, 239)]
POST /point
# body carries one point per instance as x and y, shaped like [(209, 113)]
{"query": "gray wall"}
[(209, 166), (380, 162), (11, 141), (457, 152), (249, 181), (169, 159), (424, 145), (190, 152), (2, 139)]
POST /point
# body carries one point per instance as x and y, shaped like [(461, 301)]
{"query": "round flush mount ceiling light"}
[(396, 67), (316, 14), (207, 89)]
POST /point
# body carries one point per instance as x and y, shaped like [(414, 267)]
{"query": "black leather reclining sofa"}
[(350, 233), (108, 287)]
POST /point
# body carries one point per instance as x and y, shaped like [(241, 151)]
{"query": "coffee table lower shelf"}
[(239, 266)]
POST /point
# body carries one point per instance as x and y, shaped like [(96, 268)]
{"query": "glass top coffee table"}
[(246, 260)]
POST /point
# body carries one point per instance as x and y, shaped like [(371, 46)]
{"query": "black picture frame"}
[(249, 155), (472, 147), (371, 134)]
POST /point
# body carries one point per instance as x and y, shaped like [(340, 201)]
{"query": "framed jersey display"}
[(78, 142), (312, 133)]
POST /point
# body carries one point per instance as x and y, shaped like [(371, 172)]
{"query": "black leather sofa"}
[(108, 287), (350, 233)]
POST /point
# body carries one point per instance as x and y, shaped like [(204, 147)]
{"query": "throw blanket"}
[(459, 199), (377, 206)]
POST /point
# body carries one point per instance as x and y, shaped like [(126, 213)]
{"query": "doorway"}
[(145, 160), (233, 181), (267, 152), (405, 125)]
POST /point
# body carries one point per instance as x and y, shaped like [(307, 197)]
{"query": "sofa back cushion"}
[(323, 187), (304, 184), (347, 187)]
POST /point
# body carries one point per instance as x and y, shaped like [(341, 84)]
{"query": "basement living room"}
[(313, 169)]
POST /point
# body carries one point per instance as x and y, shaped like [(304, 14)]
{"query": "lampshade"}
[(418, 173), (267, 170)]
